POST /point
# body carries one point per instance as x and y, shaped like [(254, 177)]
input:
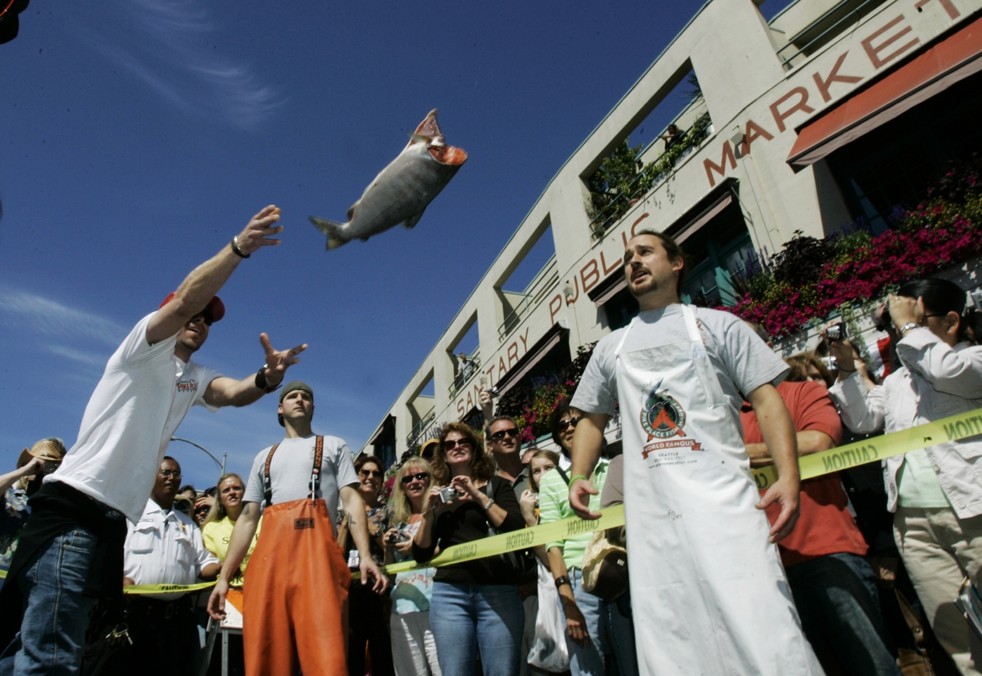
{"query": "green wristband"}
[(577, 476)]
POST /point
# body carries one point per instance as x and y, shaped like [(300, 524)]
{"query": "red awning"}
[(953, 59)]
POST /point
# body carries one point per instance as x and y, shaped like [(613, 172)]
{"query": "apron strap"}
[(315, 472)]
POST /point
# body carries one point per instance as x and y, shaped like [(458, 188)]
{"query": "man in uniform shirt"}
[(164, 547)]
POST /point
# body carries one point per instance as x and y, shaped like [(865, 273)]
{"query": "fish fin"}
[(332, 229), (411, 222)]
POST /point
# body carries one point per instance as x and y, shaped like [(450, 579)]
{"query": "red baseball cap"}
[(212, 313)]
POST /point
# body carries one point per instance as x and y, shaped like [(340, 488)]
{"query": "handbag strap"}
[(563, 474), (912, 620)]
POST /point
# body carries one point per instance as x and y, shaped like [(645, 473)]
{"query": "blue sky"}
[(140, 135)]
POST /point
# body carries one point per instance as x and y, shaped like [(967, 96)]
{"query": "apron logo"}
[(300, 524), (662, 417)]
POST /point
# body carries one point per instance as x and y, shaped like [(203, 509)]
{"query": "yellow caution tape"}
[(952, 428), (149, 589)]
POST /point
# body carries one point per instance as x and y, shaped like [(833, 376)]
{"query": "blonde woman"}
[(216, 530), (413, 645)]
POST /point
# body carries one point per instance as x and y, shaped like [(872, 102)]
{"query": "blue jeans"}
[(611, 630), (839, 607), (52, 635), (466, 618), (620, 635)]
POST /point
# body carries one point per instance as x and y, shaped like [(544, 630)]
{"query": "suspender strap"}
[(315, 472), (267, 482)]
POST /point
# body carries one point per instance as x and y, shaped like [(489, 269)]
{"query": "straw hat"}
[(50, 450)]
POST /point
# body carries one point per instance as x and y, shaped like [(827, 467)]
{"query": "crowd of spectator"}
[(856, 543)]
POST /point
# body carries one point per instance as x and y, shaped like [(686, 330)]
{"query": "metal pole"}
[(220, 463)]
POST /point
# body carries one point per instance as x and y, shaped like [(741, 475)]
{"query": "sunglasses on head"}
[(419, 476), (501, 434), (453, 443)]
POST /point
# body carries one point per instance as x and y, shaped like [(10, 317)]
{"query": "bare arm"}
[(587, 442), (224, 391), (198, 288), (35, 466), (809, 441), (575, 622), (238, 546), (779, 436), (354, 507)]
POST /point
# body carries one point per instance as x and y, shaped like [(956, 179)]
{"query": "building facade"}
[(830, 113)]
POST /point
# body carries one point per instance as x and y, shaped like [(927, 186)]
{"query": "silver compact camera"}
[(448, 495), (836, 331)]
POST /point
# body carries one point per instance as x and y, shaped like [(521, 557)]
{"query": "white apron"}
[(708, 591)]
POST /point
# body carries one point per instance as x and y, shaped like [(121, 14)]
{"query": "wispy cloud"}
[(48, 318), (169, 46)]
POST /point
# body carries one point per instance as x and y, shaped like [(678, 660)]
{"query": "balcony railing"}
[(544, 282)]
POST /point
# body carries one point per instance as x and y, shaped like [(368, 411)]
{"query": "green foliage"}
[(622, 179), (532, 402)]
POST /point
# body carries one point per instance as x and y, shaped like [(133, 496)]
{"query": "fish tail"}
[(332, 229)]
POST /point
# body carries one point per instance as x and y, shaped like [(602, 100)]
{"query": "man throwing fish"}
[(708, 591), (71, 551)]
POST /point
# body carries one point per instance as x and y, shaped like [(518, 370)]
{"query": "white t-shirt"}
[(290, 471), (741, 360), (164, 547), (143, 396)]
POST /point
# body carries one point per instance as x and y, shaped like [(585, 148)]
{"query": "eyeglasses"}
[(168, 473), (501, 434), (569, 422), (419, 476), (450, 444), (369, 472)]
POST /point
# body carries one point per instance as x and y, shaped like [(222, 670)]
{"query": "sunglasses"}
[(419, 476), (202, 510), (369, 472), (501, 434), (168, 473), (569, 422), (453, 443)]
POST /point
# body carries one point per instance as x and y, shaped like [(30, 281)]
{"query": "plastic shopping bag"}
[(549, 651)]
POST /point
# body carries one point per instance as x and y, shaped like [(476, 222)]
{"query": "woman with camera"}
[(368, 613), (475, 604), (413, 645), (935, 492)]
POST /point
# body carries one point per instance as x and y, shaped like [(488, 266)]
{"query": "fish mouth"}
[(449, 155)]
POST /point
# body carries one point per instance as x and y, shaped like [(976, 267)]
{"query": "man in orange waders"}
[(297, 583)]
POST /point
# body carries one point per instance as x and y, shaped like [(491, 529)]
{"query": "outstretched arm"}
[(198, 288), (225, 391)]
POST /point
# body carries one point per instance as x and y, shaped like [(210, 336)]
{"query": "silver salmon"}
[(402, 191)]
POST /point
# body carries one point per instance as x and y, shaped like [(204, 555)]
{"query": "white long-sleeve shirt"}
[(936, 381)]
